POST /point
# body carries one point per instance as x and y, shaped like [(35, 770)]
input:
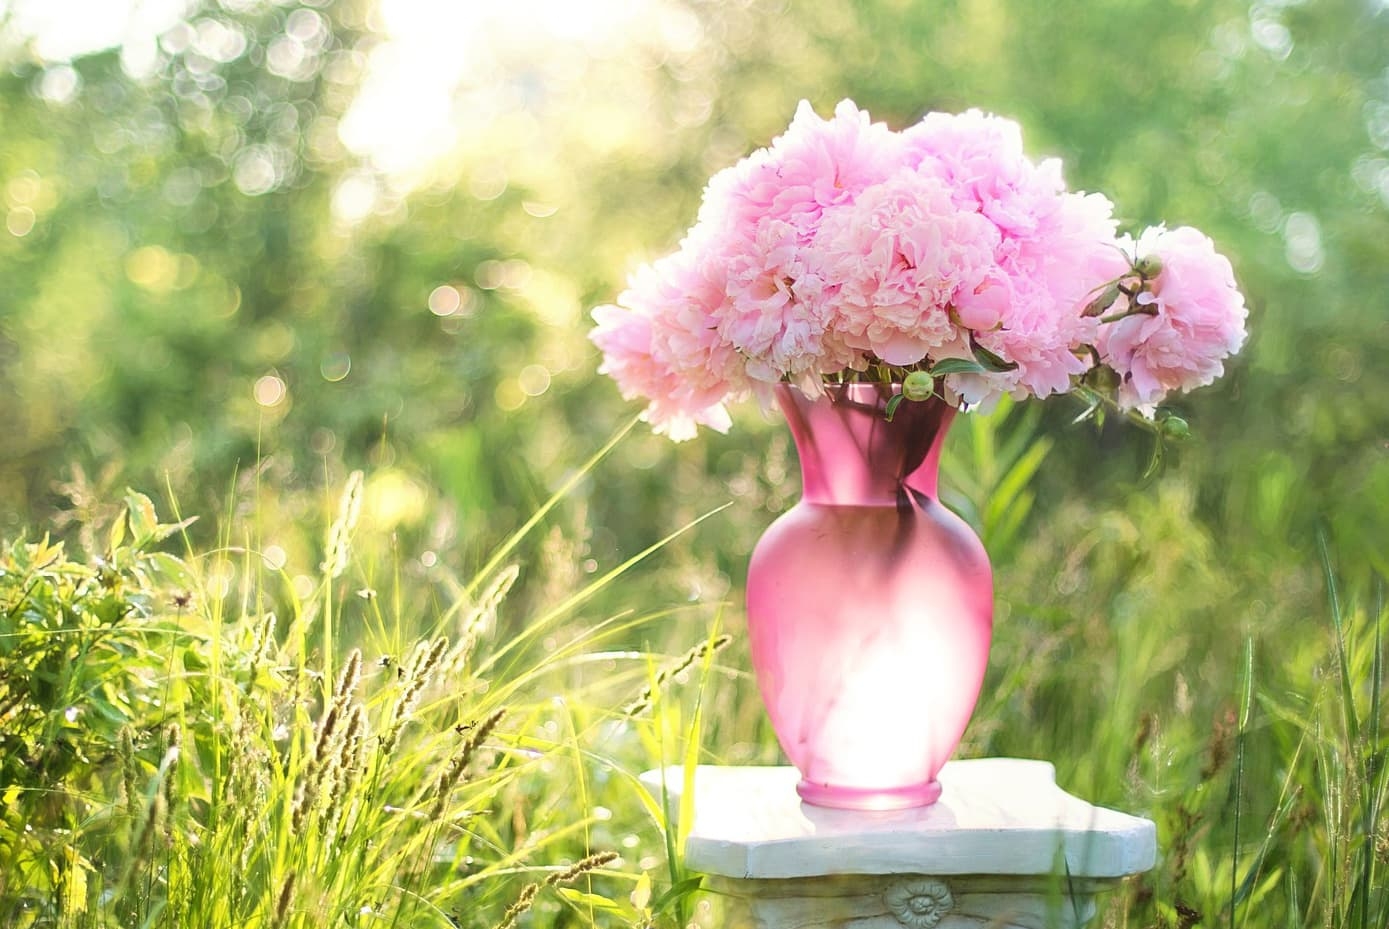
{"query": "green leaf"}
[(581, 899), (168, 570), (957, 366), (988, 359), (116, 536), (1103, 302), (1087, 413), (144, 522), (194, 661), (1008, 494), (641, 894), (891, 409), (676, 892)]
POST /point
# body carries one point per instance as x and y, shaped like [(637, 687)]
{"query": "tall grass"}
[(190, 741), (208, 740)]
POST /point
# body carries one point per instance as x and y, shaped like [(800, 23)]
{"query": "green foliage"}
[(80, 658), (174, 756)]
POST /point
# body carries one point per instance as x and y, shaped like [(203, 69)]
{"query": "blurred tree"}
[(200, 274)]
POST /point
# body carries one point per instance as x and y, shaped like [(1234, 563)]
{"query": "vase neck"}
[(852, 456)]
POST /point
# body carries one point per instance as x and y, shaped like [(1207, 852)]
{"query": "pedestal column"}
[(1003, 848)]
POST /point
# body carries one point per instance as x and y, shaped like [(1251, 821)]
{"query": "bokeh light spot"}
[(20, 221), (512, 274), (288, 58), (1266, 211), (304, 586), (445, 300), (59, 84), (488, 184), (1377, 123), (335, 366), (274, 341), (538, 210), (255, 172), (1272, 36), (354, 198), (217, 40), (270, 390), (323, 441), (394, 499), (274, 557), (307, 27), (488, 275), (24, 188), (509, 396), (1302, 235), (533, 380), (153, 268)]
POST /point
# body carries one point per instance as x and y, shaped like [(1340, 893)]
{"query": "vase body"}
[(870, 605)]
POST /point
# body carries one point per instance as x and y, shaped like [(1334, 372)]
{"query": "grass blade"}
[(1246, 704), (506, 548)]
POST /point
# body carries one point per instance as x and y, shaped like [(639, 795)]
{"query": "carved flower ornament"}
[(919, 903)]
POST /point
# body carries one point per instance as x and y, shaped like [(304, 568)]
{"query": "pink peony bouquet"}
[(939, 257)]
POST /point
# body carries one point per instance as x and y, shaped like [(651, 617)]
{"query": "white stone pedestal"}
[(1003, 848)]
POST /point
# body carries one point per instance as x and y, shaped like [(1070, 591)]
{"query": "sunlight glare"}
[(64, 29), (407, 114)]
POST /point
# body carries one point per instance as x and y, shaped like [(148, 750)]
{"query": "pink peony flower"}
[(893, 262), (660, 343), (844, 243), (814, 165), (774, 314), (1054, 272), (757, 218), (1197, 320), (980, 157), (624, 337)]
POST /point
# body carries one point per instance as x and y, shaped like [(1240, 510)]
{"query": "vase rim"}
[(850, 452), (859, 391)]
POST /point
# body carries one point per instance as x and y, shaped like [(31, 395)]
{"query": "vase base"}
[(864, 798)]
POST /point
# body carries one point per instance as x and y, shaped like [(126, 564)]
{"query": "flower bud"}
[(918, 385), (1174, 427), (1104, 378), (1148, 267)]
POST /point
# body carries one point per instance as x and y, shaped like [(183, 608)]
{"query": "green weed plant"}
[(178, 753)]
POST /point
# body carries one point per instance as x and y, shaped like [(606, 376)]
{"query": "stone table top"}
[(1000, 816)]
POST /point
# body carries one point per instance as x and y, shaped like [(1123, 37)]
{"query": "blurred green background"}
[(310, 237), (250, 246)]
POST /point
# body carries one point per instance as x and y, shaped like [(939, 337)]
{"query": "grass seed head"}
[(454, 772), (346, 772), (426, 658), (698, 653), (262, 643), (129, 771), (582, 867), (285, 901), (484, 611), (523, 902), (150, 826), (339, 542)]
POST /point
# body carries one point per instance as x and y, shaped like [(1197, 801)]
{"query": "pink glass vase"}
[(870, 605)]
